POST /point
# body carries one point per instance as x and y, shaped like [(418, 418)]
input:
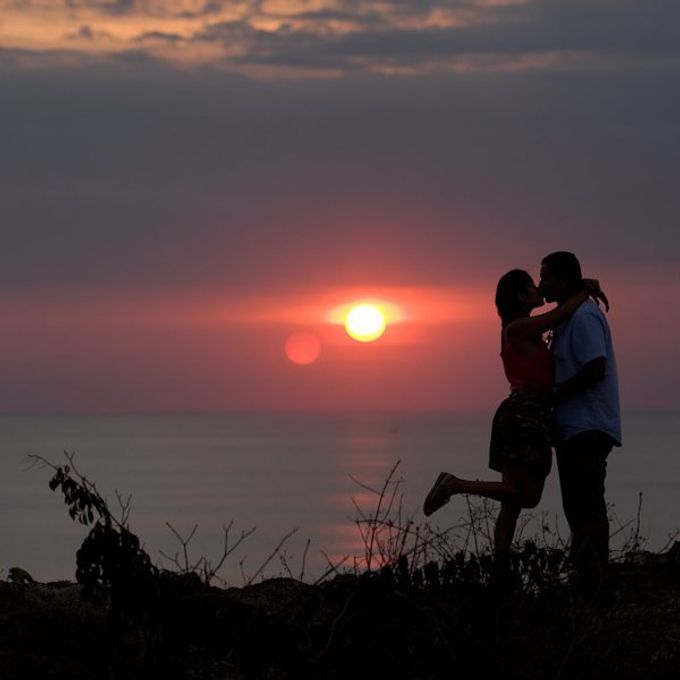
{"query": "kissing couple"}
[(563, 393)]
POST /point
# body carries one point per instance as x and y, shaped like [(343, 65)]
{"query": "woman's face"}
[(533, 297)]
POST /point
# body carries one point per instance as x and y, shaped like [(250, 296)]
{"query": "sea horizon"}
[(293, 411)]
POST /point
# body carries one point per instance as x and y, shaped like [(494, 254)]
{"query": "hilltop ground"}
[(389, 624), (424, 607)]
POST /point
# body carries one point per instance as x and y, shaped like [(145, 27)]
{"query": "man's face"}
[(550, 286)]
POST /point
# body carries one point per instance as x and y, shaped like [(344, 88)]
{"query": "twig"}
[(333, 568), (304, 559), (185, 544), (271, 556), (363, 485), (227, 550)]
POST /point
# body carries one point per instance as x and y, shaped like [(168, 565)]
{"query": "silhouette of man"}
[(587, 419)]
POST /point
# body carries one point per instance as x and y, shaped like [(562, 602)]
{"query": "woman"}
[(520, 437)]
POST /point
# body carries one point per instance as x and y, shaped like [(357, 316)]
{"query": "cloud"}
[(126, 170), (137, 175), (171, 38), (106, 6), (347, 35), (598, 28), (209, 8), (85, 33)]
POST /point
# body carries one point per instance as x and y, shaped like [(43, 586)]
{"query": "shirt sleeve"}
[(588, 338)]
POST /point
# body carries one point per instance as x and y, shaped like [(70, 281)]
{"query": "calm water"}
[(280, 472)]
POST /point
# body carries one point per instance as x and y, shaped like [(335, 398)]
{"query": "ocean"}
[(276, 473)]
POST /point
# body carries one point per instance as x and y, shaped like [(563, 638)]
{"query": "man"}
[(587, 419)]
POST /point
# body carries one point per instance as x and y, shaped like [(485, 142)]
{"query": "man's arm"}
[(592, 373)]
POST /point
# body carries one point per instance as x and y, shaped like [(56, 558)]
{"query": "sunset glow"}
[(365, 323)]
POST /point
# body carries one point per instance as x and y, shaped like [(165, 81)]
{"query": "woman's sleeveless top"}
[(534, 372)]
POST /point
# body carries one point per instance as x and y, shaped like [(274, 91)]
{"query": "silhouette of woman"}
[(520, 447)]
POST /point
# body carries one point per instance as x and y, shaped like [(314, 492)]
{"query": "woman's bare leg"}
[(516, 487), (447, 485), (498, 491), (504, 533), (529, 491), (506, 522), (517, 490)]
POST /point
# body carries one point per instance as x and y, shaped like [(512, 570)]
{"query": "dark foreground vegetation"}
[(414, 612)]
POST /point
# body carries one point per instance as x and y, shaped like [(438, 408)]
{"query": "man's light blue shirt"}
[(584, 337)]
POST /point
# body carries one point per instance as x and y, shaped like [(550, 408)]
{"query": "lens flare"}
[(302, 348)]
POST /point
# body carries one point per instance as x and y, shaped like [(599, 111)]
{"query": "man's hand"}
[(593, 289)]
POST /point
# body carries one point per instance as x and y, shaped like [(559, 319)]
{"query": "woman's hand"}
[(592, 287)]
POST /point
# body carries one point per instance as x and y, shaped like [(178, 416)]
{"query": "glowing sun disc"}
[(365, 323)]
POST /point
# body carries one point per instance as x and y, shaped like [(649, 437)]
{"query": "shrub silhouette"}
[(111, 565)]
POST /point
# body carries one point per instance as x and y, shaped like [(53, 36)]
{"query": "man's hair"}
[(511, 285), (564, 265)]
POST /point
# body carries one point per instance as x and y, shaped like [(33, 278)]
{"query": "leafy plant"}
[(111, 565)]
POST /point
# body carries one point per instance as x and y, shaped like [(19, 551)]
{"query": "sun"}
[(365, 322)]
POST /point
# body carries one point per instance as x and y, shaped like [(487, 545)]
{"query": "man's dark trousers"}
[(582, 465)]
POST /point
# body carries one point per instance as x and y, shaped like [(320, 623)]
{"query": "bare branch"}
[(304, 559), (332, 568), (271, 556)]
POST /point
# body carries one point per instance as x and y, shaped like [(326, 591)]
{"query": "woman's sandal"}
[(439, 495)]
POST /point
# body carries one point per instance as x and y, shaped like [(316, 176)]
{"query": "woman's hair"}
[(509, 288)]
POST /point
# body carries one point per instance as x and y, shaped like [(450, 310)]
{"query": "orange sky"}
[(209, 351), (205, 350)]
